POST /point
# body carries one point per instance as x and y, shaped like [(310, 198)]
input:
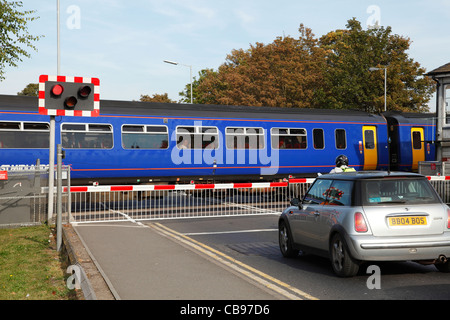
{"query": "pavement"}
[(129, 261)]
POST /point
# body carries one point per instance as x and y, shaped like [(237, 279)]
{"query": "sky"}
[(124, 42)]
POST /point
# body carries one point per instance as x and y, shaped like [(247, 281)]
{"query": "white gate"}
[(147, 202), (153, 202)]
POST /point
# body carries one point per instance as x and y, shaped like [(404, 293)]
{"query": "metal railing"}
[(151, 202), (442, 185), (22, 200)]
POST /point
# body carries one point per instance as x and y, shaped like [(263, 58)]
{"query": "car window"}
[(402, 191), (318, 192), (340, 193)]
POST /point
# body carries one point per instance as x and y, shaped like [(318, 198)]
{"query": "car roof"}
[(360, 175)]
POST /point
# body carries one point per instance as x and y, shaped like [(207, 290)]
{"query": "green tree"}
[(14, 34), (197, 95), (32, 89), (349, 84)]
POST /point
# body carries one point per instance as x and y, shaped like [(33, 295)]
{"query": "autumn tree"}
[(330, 72), (157, 98), (283, 73), (14, 34), (349, 84)]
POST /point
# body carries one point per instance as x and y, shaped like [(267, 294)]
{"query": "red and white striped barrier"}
[(222, 186), (438, 178), (258, 185)]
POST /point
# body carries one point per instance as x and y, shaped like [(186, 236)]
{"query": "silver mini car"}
[(368, 216)]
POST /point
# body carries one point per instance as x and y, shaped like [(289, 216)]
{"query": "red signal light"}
[(57, 90), (84, 91), (70, 102)]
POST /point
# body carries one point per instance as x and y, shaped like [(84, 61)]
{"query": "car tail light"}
[(360, 223), (448, 218)]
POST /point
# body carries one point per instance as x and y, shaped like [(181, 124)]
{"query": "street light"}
[(185, 65), (385, 80)]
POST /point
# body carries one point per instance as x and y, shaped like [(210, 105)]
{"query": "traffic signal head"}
[(69, 96)]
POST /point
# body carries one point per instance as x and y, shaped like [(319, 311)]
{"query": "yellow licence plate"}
[(407, 221)]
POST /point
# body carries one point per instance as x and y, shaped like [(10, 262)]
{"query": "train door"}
[(418, 147), (370, 147)]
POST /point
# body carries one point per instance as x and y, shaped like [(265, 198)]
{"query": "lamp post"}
[(385, 80), (190, 71)]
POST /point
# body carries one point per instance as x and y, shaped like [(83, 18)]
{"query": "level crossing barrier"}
[(152, 202), (442, 185)]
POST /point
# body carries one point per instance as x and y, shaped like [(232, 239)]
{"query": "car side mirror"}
[(296, 202)]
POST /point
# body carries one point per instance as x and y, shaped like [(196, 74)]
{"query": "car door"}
[(302, 221), (337, 204)]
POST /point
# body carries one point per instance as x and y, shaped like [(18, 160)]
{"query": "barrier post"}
[(59, 199)]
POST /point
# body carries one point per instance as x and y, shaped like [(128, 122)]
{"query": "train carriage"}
[(137, 142), (412, 137)]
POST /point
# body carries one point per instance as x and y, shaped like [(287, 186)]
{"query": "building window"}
[(86, 136), (24, 135), (145, 137)]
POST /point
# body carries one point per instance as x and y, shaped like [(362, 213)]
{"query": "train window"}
[(341, 139), (417, 140), (288, 138), (244, 138), (196, 137), (157, 129), (86, 136), (369, 139), (145, 137), (132, 129), (74, 127), (24, 135), (36, 126), (10, 125), (318, 139), (99, 127)]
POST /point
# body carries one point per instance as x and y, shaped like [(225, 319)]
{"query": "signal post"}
[(65, 96)]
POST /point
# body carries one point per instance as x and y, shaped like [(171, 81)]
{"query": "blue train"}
[(137, 142)]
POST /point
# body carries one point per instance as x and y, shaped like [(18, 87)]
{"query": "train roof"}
[(116, 107), (411, 117)]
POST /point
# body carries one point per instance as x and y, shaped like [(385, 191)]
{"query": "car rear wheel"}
[(285, 241), (341, 260)]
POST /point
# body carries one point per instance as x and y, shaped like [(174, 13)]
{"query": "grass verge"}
[(30, 267)]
